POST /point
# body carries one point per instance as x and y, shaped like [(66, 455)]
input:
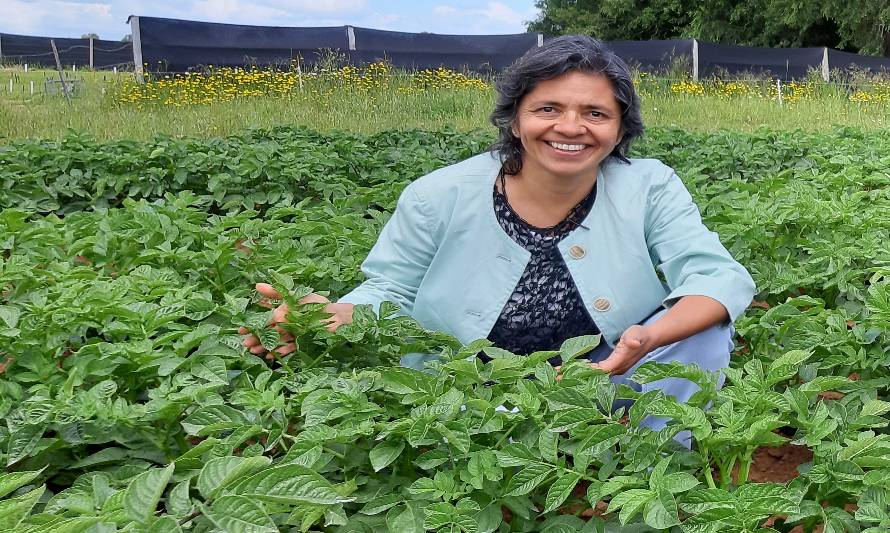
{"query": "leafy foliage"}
[(129, 403)]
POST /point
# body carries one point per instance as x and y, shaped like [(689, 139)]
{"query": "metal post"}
[(91, 52), (52, 42), (826, 74), (350, 34), (779, 89), (695, 60), (137, 48), (1, 46), (540, 39)]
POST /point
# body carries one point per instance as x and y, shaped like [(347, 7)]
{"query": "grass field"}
[(351, 102)]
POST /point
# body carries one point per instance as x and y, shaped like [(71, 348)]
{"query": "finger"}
[(558, 372), (313, 298), (257, 350), (333, 325), (243, 330), (286, 349), (250, 341), (279, 314), (268, 291), (607, 365), (265, 302)]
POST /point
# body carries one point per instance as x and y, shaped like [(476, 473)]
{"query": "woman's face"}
[(568, 125)]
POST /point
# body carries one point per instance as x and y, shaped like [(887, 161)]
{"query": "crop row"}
[(130, 404)]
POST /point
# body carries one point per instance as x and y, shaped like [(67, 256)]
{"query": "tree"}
[(851, 25), (614, 19)]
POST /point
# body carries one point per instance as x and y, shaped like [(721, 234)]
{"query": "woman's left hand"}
[(636, 342)]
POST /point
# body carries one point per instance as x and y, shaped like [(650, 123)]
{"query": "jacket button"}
[(602, 305), (577, 252)]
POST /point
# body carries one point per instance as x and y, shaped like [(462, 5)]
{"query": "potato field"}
[(129, 404)]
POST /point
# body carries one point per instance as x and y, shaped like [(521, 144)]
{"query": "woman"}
[(556, 233)]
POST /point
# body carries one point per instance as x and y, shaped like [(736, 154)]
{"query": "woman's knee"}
[(709, 349)]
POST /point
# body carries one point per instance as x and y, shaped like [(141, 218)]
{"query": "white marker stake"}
[(32, 86)]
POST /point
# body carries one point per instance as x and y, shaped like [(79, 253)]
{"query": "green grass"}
[(42, 116)]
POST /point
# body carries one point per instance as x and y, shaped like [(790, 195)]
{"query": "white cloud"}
[(346, 7), (445, 11), (33, 18), (493, 17), (234, 11)]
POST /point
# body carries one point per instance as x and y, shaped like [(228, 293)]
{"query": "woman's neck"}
[(544, 200)]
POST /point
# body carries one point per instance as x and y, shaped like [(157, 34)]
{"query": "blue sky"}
[(72, 18)]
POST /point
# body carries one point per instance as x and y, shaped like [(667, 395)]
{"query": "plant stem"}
[(745, 467), (505, 435), (709, 476)]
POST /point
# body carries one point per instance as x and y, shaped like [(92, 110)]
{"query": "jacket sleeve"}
[(692, 258), (400, 258)]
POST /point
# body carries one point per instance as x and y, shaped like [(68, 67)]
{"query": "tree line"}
[(851, 25)]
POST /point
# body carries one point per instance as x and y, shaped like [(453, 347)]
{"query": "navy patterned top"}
[(546, 308)]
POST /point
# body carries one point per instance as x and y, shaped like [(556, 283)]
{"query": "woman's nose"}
[(570, 124)]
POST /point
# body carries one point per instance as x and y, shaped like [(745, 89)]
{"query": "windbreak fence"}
[(37, 51), (171, 45), (178, 45)]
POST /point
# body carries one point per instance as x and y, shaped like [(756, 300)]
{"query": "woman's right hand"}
[(341, 313)]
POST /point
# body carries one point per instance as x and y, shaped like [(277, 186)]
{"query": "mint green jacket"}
[(445, 260)]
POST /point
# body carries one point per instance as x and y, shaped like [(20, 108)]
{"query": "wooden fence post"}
[(137, 48)]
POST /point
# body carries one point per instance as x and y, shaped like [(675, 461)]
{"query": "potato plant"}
[(129, 404)]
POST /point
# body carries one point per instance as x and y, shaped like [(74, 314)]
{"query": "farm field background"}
[(224, 102), (129, 403)]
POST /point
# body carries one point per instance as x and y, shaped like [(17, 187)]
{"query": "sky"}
[(107, 18)]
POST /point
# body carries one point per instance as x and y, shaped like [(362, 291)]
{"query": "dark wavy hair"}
[(556, 57)]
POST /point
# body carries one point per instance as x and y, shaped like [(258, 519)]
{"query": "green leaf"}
[(14, 510), (630, 502), (547, 443), (578, 346), (289, 484), (678, 482), (239, 514), (385, 453), (528, 478), (379, 505), (144, 491), (13, 480), (560, 490), (221, 471), (212, 418), (23, 441), (407, 519), (660, 512), (10, 315), (179, 503), (164, 524)]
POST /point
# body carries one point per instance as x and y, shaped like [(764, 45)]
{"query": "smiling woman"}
[(556, 233)]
